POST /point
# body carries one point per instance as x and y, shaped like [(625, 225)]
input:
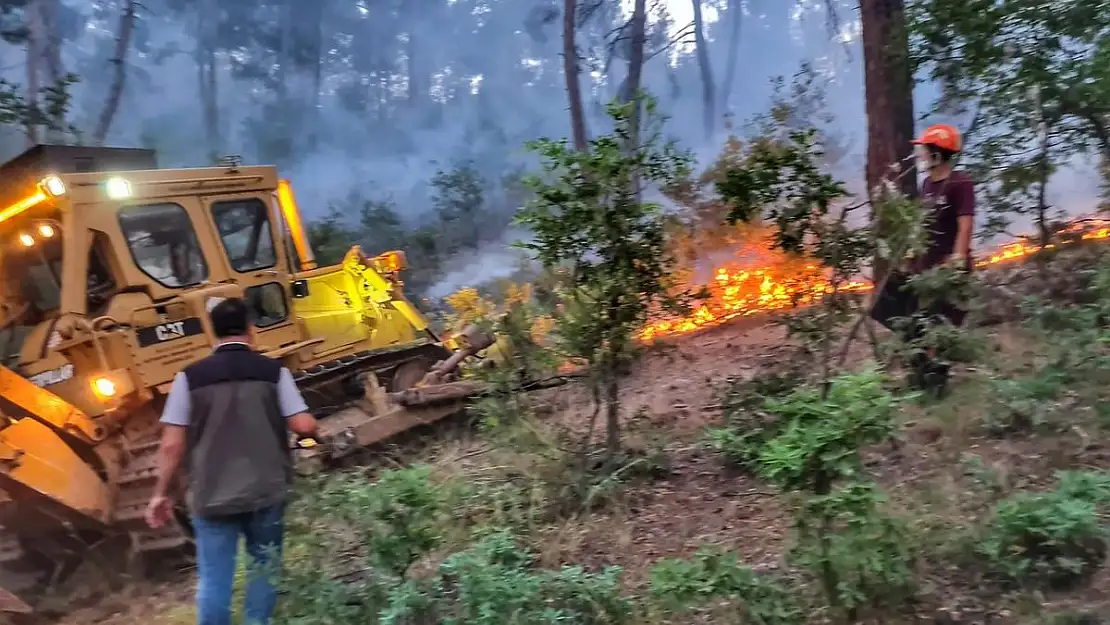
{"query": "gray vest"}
[(238, 441)]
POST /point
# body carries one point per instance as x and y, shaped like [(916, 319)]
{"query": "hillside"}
[(960, 478)]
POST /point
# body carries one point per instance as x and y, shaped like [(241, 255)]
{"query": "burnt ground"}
[(944, 477)]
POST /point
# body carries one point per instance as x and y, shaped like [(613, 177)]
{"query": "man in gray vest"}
[(229, 416)]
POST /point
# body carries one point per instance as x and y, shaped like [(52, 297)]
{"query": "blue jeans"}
[(217, 550)]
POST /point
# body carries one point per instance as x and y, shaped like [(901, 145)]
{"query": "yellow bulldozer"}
[(107, 267)]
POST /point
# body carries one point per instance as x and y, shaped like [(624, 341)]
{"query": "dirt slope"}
[(945, 476), (671, 393)]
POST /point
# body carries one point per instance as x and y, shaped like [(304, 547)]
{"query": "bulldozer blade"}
[(380, 415), (353, 427)]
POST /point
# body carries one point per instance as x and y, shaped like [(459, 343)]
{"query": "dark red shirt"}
[(946, 200)]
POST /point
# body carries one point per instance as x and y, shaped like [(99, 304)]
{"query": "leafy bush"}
[(824, 433), (748, 425), (859, 552), (1025, 404), (1073, 359), (399, 518), (1055, 538), (680, 585), (362, 552), (327, 576), (741, 446), (493, 583), (1089, 486), (587, 213)]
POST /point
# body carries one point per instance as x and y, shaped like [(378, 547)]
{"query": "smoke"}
[(495, 81), (518, 96), (490, 262)]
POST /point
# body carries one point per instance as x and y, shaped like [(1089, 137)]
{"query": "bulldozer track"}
[(382, 362)]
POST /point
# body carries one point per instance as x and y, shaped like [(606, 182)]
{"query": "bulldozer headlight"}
[(53, 186), (46, 231), (26, 240), (104, 387), (117, 188)]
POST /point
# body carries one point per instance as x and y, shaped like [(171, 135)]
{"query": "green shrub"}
[(1052, 539), (1092, 486), (748, 424), (741, 446), (680, 585), (399, 518), (326, 578), (858, 552), (823, 434), (494, 583), (1026, 404)]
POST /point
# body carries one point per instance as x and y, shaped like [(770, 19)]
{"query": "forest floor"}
[(944, 478)]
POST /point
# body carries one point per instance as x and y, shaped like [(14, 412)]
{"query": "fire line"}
[(743, 291)]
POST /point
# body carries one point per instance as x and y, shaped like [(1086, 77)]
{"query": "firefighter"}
[(949, 197)]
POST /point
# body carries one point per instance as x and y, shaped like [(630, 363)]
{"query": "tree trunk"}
[(415, 84), (317, 76), (888, 87), (53, 51), (570, 70), (119, 73), (1101, 132), (888, 84), (207, 78), (52, 55), (736, 12), (1104, 172), (612, 416), (211, 103), (1044, 172), (638, 33), (35, 43), (708, 89)]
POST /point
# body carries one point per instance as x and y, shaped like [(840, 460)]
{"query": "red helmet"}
[(943, 136)]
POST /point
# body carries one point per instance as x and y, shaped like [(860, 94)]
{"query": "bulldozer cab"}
[(122, 248)]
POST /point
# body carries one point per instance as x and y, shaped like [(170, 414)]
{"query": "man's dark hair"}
[(230, 318)]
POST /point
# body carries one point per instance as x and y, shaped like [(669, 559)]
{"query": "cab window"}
[(30, 279), (99, 285), (267, 302), (32, 265), (244, 227), (163, 244)]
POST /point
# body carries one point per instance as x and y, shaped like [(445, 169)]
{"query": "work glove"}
[(296, 441), (958, 262)]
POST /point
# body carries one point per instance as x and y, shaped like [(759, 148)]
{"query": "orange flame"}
[(742, 291)]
